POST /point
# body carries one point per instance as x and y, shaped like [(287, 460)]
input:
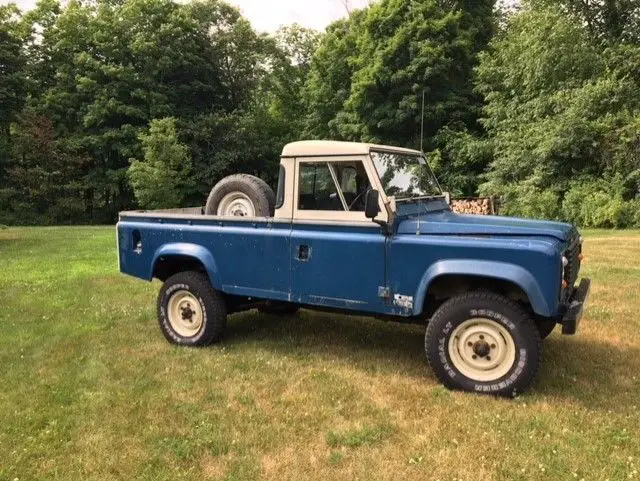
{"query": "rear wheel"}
[(483, 342), (190, 311), (241, 195)]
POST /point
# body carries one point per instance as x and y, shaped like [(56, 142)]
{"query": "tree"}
[(291, 54), (247, 141), (609, 21), (408, 48), (163, 178), (44, 181), (101, 71), (12, 81), (370, 71), (43, 54), (328, 84), (557, 105)]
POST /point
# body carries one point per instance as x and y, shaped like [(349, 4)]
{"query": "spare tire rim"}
[(482, 349), (236, 204), (185, 313)]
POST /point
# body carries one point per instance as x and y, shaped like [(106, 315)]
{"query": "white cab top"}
[(313, 148)]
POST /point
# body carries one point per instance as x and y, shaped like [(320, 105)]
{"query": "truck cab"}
[(364, 228)]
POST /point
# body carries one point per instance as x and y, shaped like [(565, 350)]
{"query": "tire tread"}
[(214, 303), (262, 196), (524, 319)]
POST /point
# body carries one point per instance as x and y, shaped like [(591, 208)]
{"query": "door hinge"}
[(384, 292)]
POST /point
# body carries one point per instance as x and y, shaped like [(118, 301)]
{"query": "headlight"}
[(565, 263)]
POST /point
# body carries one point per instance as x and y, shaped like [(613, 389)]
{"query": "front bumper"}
[(575, 307)]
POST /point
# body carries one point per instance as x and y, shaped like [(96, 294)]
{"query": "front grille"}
[(572, 254)]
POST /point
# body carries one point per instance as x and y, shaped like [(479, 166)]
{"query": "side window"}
[(354, 183), (348, 182), (281, 188), (318, 191)]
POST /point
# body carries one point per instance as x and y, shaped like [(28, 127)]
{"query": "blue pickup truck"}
[(364, 229)]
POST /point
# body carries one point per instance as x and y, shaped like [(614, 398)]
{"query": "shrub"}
[(600, 204), (162, 178), (530, 201)]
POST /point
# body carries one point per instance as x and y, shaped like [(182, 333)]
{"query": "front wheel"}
[(483, 342), (190, 311)]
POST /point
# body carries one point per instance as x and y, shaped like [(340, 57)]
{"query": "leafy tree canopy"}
[(370, 71), (540, 105), (609, 21), (560, 111)]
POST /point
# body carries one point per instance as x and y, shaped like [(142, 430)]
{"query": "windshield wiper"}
[(424, 197)]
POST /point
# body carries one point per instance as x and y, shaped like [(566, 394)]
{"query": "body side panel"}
[(345, 267), (347, 264), (416, 218), (240, 257), (491, 269), (415, 261)]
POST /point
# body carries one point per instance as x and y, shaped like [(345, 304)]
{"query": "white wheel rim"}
[(236, 204), (185, 314), (482, 350)]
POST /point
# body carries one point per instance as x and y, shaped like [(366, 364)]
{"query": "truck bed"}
[(245, 248), (258, 257)]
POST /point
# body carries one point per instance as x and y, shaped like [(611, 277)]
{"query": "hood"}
[(446, 222)]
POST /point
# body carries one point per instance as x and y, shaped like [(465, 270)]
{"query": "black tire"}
[(210, 312), (279, 309), (501, 315), (257, 190), (268, 192), (545, 326)]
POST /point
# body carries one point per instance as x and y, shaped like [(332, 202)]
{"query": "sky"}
[(269, 15)]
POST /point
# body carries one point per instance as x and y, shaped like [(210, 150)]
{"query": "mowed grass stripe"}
[(91, 390)]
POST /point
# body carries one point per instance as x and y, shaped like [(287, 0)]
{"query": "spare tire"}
[(241, 195), (268, 191)]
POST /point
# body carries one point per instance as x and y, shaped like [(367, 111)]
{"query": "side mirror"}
[(372, 205)]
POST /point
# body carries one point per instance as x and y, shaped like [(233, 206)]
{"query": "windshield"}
[(405, 176)]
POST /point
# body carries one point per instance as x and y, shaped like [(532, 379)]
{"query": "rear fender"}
[(193, 251), (487, 269)]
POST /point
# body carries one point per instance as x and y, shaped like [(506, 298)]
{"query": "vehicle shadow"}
[(598, 375), (370, 344)]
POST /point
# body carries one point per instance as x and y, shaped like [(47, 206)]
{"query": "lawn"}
[(91, 390)]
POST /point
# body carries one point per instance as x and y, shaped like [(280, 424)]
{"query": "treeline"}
[(110, 105)]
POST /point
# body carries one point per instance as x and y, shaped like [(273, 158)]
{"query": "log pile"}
[(475, 205)]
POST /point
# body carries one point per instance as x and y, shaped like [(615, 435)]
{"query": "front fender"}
[(491, 269), (193, 251)]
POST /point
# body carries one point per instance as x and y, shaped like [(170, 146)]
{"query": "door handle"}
[(304, 253)]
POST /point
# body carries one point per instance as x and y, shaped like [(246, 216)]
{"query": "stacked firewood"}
[(476, 206)]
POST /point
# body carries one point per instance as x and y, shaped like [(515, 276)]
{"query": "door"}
[(338, 256)]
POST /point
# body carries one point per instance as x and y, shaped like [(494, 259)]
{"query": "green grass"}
[(89, 388)]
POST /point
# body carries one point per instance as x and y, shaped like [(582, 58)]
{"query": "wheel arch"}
[(506, 277), (179, 257)]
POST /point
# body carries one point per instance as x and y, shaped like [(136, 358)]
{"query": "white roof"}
[(312, 148)]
